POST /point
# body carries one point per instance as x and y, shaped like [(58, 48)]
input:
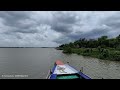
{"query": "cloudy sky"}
[(52, 28)]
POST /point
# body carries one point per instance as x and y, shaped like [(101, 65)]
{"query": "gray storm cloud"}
[(52, 28)]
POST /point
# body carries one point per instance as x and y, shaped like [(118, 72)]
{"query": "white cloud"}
[(51, 28)]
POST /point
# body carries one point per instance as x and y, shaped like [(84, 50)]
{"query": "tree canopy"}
[(103, 42)]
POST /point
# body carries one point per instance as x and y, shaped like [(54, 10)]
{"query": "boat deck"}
[(64, 69)]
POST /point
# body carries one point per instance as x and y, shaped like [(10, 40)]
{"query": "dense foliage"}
[(102, 47)]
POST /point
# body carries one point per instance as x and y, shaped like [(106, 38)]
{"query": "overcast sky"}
[(52, 28)]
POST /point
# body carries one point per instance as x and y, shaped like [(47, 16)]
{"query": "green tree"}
[(67, 50)]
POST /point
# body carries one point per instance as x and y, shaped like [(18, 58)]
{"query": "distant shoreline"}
[(27, 47)]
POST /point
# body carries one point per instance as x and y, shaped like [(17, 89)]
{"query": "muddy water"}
[(34, 63)]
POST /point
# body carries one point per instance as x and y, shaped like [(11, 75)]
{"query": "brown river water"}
[(34, 63)]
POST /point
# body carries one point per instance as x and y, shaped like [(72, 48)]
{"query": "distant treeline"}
[(103, 47), (27, 47)]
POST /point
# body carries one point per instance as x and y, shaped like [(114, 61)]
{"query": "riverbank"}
[(102, 48), (100, 53)]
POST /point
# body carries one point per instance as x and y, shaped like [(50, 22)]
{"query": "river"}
[(34, 63)]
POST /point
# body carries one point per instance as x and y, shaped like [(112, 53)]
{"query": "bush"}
[(86, 51), (79, 53), (101, 56), (67, 50), (117, 57), (104, 54), (85, 54)]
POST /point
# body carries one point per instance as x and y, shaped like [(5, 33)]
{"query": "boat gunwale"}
[(79, 72)]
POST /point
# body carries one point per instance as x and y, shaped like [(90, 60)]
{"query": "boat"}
[(65, 71)]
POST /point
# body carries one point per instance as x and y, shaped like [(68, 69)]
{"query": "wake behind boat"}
[(65, 71)]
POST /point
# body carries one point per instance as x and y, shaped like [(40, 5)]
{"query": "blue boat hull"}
[(54, 76)]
